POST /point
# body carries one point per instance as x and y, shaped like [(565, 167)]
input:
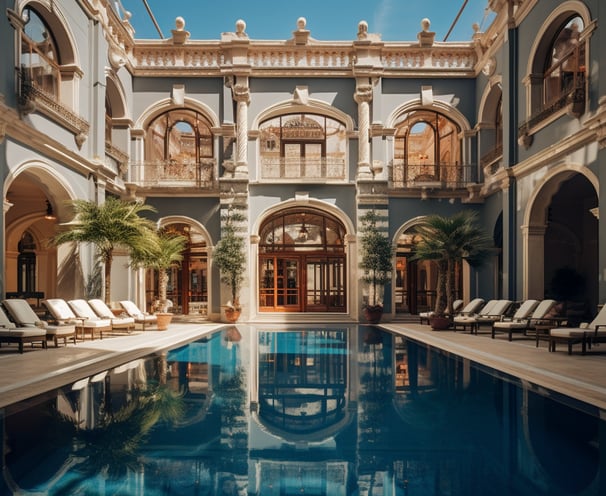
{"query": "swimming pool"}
[(335, 410)]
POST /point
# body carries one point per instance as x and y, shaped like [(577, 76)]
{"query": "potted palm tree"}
[(166, 252), (376, 263), (230, 258), (113, 224), (447, 241)]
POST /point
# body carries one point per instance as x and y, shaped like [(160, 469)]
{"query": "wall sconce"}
[(50, 214)]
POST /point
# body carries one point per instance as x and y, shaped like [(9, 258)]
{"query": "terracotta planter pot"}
[(373, 313), (232, 314), (439, 323), (164, 320)]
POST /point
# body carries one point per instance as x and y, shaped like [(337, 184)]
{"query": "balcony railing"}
[(561, 88), (170, 173), (302, 168), (431, 176), (34, 97), (490, 160), (115, 158)]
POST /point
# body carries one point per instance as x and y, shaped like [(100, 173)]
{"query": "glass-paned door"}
[(325, 284), (279, 284)]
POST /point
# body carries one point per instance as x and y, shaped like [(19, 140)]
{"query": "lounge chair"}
[(12, 333), (121, 322), (497, 312), (82, 309), (62, 313), (467, 318), (23, 314), (140, 317), (457, 305), (585, 334), (520, 321)]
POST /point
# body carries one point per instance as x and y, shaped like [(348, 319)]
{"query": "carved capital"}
[(241, 93), (363, 93)]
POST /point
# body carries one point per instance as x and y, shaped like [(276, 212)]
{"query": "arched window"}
[(565, 63), (302, 146), (556, 83), (39, 55), (179, 148), (427, 149)]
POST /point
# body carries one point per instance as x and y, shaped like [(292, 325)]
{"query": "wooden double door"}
[(302, 283)]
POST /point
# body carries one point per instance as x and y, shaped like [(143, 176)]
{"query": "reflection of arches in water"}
[(303, 381), (564, 441)]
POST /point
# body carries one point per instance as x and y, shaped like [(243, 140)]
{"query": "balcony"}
[(431, 176), (173, 174), (35, 96), (303, 169)]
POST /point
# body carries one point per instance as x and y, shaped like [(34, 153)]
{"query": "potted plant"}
[(166, 251), (376, 264), (230, 258), (113, 224), (448, 241)]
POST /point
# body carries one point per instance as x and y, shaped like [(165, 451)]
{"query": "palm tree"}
[(448, 241), (113, 224), (167, 250)]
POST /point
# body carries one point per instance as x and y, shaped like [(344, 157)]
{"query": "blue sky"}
[(395, 20)]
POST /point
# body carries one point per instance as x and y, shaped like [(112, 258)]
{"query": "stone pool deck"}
[(36, 370)]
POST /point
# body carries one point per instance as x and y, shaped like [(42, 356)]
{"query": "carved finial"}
[(301, 35), (241, 29), (426, 36), (362, 30), (180, 36)]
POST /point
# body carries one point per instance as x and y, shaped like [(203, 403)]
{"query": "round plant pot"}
[(373, 313), (439, 323), (164, 320), (232, 314)]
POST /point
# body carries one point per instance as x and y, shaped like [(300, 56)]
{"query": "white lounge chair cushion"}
[(22, 333), (576, 332), (103, 311)]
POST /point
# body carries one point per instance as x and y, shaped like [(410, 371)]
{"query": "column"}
[(363, 96), (241, 94)]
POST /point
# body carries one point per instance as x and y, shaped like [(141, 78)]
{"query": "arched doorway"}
[(562, 231), (302, 262), (416, 280), (188, 281)]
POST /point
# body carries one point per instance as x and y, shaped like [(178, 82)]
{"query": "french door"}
[(302, 283)]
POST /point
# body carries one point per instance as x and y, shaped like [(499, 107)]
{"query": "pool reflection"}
[(284, 410)]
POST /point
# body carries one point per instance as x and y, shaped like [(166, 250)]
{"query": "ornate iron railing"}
[(302, 168), (170, 173), (431, 176)]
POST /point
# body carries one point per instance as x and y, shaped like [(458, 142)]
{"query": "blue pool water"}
[(341, 410)]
